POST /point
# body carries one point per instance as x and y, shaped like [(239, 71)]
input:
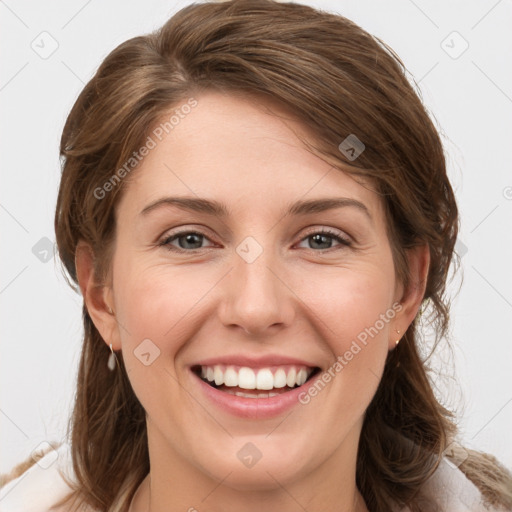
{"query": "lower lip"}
[(255, 408)]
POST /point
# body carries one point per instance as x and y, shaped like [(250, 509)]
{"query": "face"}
[(265, 295)]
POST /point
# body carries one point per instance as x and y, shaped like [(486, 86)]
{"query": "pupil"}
[(318, 237), (190, 239)]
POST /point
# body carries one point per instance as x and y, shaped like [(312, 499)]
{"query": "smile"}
[(250, 382), (255, 392)]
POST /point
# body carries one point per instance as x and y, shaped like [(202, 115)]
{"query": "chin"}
[(250, 468), (263, 476)]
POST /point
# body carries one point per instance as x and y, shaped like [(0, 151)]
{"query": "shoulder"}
[(39, 487), (450, 489)]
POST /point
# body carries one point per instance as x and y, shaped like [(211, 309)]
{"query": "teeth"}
[(264, 379), (218, 375), (248, 395), (280, 378), (290, 379), (230, 377), (302, 377), (246, 378)]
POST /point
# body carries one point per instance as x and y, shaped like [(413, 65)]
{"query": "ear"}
[(98, 298), (410, 297)]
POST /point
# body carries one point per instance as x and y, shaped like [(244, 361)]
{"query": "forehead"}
[(243, 151)]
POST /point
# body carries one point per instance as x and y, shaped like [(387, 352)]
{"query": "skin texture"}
[(298, 298)]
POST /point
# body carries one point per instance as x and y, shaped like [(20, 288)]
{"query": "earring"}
[(110, 310), (398, 340), (111, 359)]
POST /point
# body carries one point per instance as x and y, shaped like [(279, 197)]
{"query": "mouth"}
[(262, 382)]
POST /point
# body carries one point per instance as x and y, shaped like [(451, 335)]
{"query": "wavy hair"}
[(338, 80)]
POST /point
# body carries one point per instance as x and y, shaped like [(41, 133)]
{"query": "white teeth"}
[(248, 395), (218, 374), (263, 379), (230, 377), (290, 379), (302, 377), (246, 378), (280, 378)]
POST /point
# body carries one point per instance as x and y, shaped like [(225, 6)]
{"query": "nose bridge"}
[(257, 298)]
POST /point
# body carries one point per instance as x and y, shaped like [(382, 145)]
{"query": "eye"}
[(188, 237), (321, 238)]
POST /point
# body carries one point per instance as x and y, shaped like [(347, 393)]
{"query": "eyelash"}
[(165, 242)]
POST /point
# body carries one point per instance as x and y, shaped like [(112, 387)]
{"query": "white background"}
[(470, 96)]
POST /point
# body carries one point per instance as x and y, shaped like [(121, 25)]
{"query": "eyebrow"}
[(219, 209)]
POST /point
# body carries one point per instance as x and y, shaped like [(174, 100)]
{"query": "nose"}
[(256, 296)]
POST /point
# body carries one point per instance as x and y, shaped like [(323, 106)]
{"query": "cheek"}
[(349, 303), (155, 309), (155, 301), (353, 313), (358, 319)]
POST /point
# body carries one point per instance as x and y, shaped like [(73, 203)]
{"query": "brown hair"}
[(337, 80)]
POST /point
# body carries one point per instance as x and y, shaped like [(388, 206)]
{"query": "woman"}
[(260, 371)]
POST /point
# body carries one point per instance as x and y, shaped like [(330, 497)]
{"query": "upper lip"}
[(254, 361)]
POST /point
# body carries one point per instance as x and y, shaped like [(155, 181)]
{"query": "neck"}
[(143, 502), (174, 484)]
